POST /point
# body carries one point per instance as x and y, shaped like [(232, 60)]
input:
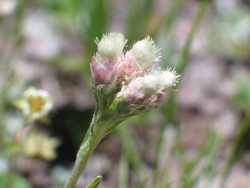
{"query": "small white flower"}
[(111, 45), (7, 7), (146, 52), (36, 103)]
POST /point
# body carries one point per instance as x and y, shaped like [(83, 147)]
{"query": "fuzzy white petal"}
[(111, 45), (146, 52)]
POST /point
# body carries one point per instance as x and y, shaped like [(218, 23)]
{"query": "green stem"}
[(94, 135)]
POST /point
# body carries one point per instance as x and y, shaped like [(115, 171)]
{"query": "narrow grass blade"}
[(123, 173), (95, 182), (129, 147), (139, 12), (238, 147)]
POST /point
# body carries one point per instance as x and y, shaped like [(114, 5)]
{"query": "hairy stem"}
[(95, 133)]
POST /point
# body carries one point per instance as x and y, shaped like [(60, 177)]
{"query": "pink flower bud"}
[(133, 92), (102, 70)]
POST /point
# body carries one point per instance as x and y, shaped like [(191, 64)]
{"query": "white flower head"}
[(146, 52), (134, 78), (111, 45), (36, 103), (7, 7)]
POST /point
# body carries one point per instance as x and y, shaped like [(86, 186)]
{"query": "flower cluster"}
[(129, 80), (125, 83)]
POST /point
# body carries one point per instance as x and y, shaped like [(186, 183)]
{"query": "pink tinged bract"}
[(133, 92), (127, 68), (102, 72)]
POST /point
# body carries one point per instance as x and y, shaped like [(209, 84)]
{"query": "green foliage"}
[(204, 158), (13, 181), (129, 147), (242, 98), (123, 172), (170, 107), (162, 34), (182, 61), (86, 18), (238, 147), (95, 22), (232, 33), (89, 19), (138, 15)]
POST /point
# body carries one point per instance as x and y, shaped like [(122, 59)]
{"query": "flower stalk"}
[(97, 130), (125, 84)]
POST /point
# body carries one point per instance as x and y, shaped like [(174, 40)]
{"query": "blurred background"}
[(199, 138)]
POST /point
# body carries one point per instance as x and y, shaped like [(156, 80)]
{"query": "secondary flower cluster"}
[(35, 105), (131, 80)]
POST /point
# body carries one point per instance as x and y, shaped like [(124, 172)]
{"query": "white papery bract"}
[(158, 81), (154, 83), (111, 45), (146, 52)]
